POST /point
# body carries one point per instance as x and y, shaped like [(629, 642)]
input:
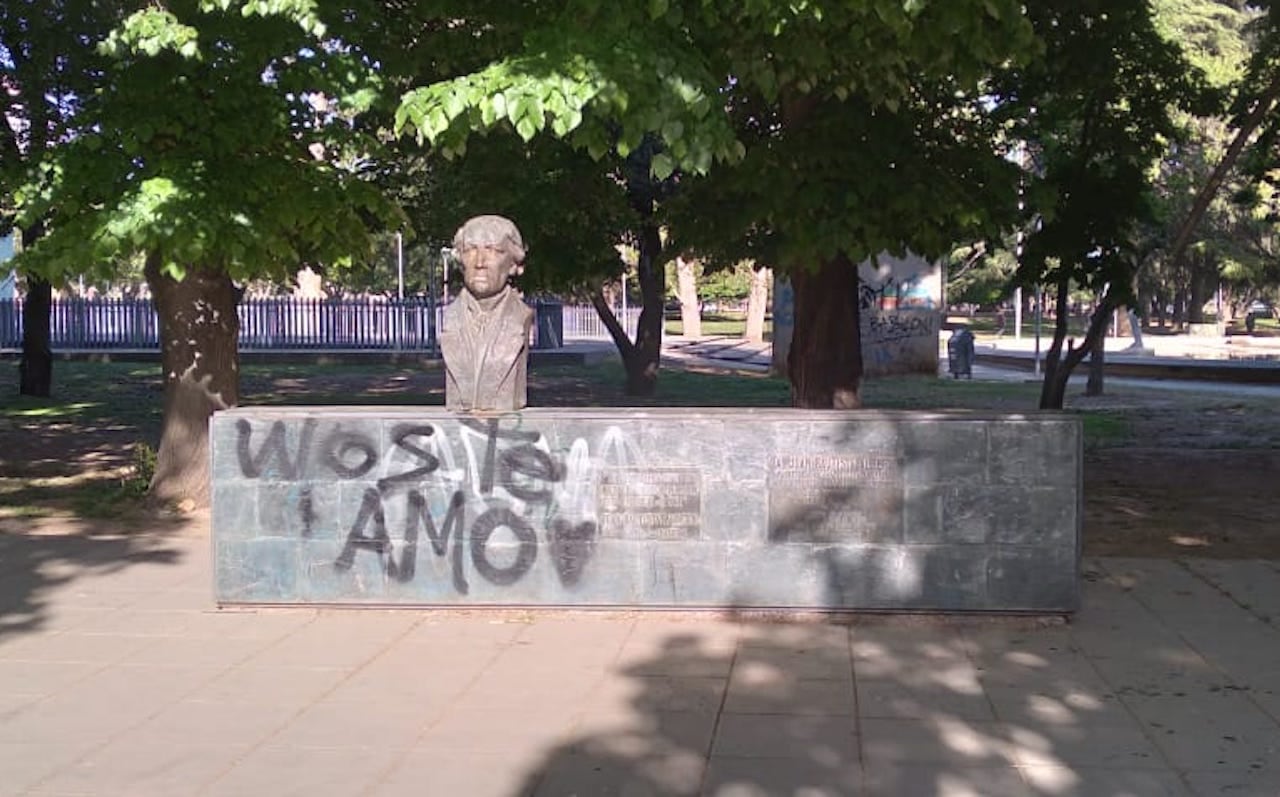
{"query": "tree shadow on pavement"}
[(41, 560), (768, 708)]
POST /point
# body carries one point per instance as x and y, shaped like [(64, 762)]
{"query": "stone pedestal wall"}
[(647, 508)]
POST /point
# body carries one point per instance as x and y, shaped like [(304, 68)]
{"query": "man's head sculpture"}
[(485, 340), (491, 251)]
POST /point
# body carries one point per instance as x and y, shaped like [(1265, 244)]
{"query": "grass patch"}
[(727, 325), (1106, 429)]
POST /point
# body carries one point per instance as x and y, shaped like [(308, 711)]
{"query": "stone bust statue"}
[(485, 339)]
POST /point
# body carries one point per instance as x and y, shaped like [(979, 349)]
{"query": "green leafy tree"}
[(41, 93), (818, 133), (219, 143), (1255, 117), (1095, 113)]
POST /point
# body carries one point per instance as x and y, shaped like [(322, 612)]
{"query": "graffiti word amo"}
[(512, 480)]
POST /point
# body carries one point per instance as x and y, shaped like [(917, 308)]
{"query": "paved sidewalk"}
[(117, 676)]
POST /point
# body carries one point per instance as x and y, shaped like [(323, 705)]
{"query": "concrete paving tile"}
[(310, 647), (981, 641), (1037, 707), (1169, 589), (425, 773), (769, 694), (82, 596), (248, 623), (365, 624), (303, 772), (196, 652), (1061, 781), (464, 630), (659, 693), (1252, 583), (832, 662), (605, 734), (757, 777), (689, 648), (135, 622), (1210, 730), (888, 698), (24, 764), (671, 774), (398, 677), (129, 768), (278, 686), (138, 685), (50, 620), (1243, 783), (514, 663), (558, 693), (59, 721), (1014, 667), (965, 743), (69, 646), (926, 665), (604, 631), (1095, 745), (194, 722), (898, 780), (496, 732), (349, 726), (828, 741), (42, 677), (887, 645), (794, 636), (11, 704)]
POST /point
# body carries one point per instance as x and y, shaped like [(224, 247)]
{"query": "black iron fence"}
[(287, 322)]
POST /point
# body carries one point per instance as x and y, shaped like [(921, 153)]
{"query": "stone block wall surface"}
[(749, 508)]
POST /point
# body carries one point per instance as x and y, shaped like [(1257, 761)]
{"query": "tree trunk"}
[(1097, 364), (687, 289), (1058, 367), (757, 302), (825, 361), (641, 358), (35, 370), (198, 329), (1204, 274), (642, 365)]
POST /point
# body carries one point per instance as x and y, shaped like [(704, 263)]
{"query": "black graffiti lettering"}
[(338, 447), (891, 328), (307, 511), (532, 463), (492, 434), (252, 465), (402, 436), (483, 529), (357, 540), (572, 545), (454, 521)]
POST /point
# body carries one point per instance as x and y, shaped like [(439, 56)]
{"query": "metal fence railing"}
[(286, 322)]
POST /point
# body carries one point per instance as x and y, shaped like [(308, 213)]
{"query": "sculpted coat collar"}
[(484, 351)]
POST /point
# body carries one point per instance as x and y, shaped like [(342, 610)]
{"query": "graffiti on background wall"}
[(454, 496), (900, 341), (888, 282), (899, 300)]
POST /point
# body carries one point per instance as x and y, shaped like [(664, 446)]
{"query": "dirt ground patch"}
[(1166, 473)]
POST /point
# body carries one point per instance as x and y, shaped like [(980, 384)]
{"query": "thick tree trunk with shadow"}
[(198, 330), (825, 360), (35, 370)]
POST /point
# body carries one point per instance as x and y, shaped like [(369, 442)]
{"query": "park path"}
[(119, 676)]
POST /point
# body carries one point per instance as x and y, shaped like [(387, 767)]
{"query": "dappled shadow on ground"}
[(903, 706), (41, 561)]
